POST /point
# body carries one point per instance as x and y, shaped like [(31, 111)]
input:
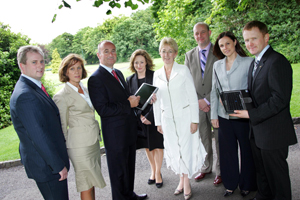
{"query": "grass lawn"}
[(9, 140), (9, 143)]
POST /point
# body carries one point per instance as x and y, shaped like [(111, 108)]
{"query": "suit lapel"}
[(75, 95), (261, 63), (149, 76), (209, 64), (174, 71), (197, 64), (39, 91)]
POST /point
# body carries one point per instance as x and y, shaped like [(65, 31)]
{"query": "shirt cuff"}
[(206, 101)]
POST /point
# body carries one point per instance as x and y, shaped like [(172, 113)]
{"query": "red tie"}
[(115, 75), (44, 89)]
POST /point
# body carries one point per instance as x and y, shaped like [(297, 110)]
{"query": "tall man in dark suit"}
[(111, 98), (200, 61), (37, 122), (271, 127)]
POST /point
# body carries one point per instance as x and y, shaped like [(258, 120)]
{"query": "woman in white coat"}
[(176, 117), (232, 71)]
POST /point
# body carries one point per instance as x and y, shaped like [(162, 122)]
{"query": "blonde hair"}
[(168, 41)]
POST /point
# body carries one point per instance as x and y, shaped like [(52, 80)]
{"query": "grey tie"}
[(255, 67), (203, 61)]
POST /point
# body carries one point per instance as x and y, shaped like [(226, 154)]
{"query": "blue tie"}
[(203, 62)]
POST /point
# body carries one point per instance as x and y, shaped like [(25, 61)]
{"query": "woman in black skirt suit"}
[(141, 64)]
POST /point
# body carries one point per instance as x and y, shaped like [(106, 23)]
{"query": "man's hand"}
[(63, 174), (203, 105), (153, 99), (134, 101), (215, 123), (240, 114), (159, 129), (194, 127), (145, 120)]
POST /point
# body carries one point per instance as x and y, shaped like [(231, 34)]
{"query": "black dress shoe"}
[(228, 193), (141, 196), (253, 199), (151, 181), (244, 193)]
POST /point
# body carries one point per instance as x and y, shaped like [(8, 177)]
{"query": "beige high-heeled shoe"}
[(178, 191), (188, 196)]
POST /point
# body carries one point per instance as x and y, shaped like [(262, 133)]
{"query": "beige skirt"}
[(87, 165)]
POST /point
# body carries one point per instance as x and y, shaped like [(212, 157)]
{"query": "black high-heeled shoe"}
[(228, 193), (151, 181), (159, 185)]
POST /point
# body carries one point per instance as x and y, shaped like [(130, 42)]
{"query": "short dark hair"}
[(260, 25), (144, 53), (68, 62), (217, 51)]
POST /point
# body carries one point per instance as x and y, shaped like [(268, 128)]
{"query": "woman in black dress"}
[(141, 64)]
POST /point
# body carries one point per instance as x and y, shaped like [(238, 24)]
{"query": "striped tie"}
[(255, 67), (203, 62)]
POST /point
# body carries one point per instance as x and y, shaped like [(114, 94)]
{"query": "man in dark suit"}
[(37, 122), (271, 127), (200, 61), (111, 98)]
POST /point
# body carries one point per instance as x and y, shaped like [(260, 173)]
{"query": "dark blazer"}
[(109, 98), (132, 82), (271, 89), (37, 122)]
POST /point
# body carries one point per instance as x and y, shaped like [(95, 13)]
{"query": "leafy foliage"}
[(63, 44), (9, 70), (55, 62), (111, 3), (176, 18), (135, 33)]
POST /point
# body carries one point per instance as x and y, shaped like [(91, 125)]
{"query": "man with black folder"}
[(111, 98), (271, 126)]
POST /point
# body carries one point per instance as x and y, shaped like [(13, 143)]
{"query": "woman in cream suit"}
[(232, 71), (79, 126), (176, 117)]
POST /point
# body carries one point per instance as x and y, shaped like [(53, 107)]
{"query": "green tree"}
[(135, 33), (177, 19), (92, 37), (9, 71), (281, 17), (55, 62), (63, 44)]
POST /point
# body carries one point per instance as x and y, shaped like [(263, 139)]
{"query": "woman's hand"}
[(215, 123), (153, 99), (194, 127), (159, 129), (145, 120)]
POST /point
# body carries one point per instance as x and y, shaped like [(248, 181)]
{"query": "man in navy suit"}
[(111, 98), (37, 122), (271, 127)]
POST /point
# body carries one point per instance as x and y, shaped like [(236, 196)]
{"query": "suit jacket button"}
[(202, 84)]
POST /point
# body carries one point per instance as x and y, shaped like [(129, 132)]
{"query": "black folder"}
[(146, 92)]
